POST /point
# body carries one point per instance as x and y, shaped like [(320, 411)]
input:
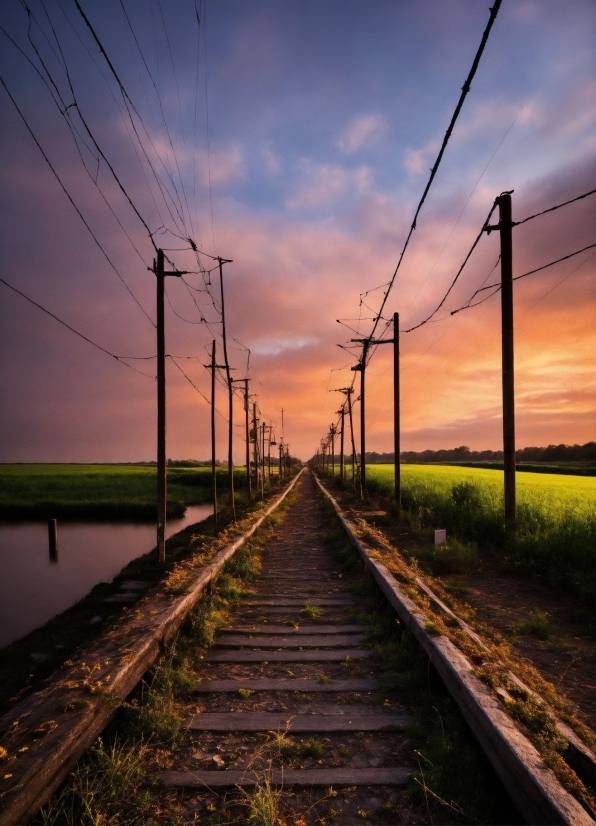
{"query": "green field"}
[(556, 515), (47, 491)]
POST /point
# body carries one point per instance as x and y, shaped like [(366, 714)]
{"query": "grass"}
[(537, 626), (556, 524), (47, 491), (293, 752), (310, 612)]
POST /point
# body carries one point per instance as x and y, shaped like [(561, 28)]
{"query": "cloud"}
[(420, 160), (274, 346), (270, 159), (322, 183), (222, 166), (362, 132)]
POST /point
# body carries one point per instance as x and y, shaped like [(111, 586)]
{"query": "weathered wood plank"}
[(296, 641), (323, 656), (310, 686), (287, 629), (392, 776), (298, 601), (351, 720)]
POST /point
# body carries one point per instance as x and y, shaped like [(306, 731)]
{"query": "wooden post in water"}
[(53, 539)]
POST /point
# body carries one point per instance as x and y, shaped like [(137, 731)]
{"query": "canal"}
[(33, 589)]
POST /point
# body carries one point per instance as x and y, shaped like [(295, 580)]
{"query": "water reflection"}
[(33, 589)]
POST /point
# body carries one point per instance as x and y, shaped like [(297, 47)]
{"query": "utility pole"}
[(281, 467), (269, 452), (247, 434), (361, 368), (347, 391), (160, 273), (213, 467), (342, 413), (221, 262), (263, 426), (332, 432), (255, 434), (505, 231), (505, 227), (396, 412)]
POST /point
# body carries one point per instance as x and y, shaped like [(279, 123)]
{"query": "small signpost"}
[(440, 536)]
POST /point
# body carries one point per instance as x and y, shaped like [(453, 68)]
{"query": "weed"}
[(535, 717), (537, 626), (310, 612), (106, 787), (294, 751), (263, 805), (345, 752), (324, 679), (245, 693)]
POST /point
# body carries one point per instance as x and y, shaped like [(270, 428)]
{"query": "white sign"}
[(440, 536)]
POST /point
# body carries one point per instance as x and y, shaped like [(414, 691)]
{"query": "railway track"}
[(291, 694), (311, 702)]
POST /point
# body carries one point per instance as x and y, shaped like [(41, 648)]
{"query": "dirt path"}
[(294, 662)]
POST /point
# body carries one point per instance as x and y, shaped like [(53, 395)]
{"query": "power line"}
[(81, 335), (459, 272), (66, 192), (465, 90), (517, 277), (552, 209)]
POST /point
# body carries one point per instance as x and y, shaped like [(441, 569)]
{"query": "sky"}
[(294, 138)]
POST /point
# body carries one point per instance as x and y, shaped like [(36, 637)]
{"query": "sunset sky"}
[(294, 137)]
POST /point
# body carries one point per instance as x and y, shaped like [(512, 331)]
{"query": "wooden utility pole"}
[(221, 262), (160, 273), (247, 435), (255, 434), (332, 432), (396, 411), (342, 413), (505, 228), (281, 467), (213, 465), (361, 368), (263, 425), (350, 390)]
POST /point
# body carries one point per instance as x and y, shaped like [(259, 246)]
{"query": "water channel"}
[(33, 589)]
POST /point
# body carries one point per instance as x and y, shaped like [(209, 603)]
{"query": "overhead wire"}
[(517, 277), (68, 195), (79, 334), (464, 93), (552, 209)]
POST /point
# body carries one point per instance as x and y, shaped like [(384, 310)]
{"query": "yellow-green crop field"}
[(556, 515)]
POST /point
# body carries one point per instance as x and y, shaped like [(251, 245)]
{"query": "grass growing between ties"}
[(114, 783)]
